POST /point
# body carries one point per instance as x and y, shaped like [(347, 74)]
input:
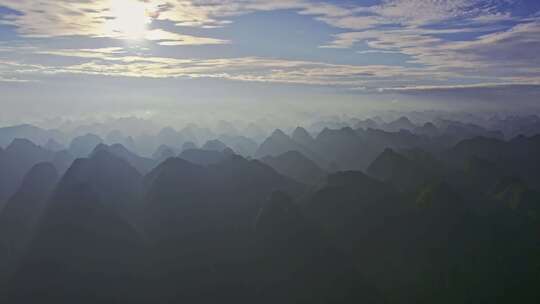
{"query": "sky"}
[(194, 60)]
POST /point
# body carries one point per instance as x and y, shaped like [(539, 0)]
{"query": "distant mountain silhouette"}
[(29, 132), (82, 146), (16, 160), (188, 145), (302, 136), (255, 131), (345, 148), (240, 144), (444, 212), (319, 126), (170, 137), (404, 173), (205, 157), (111, 178), (176, 139), (366, 124), (164, 152), (466, 130), (53, 145), (296, 166), (214, 145), (199, 220), (379, 140), (226, 127), (178, 183), (428, 129), (142, 164), (515, 125), (117, 137), (483, 147), (277, 143), (518, 157), (195, 134), (402, 123), (62, 160)]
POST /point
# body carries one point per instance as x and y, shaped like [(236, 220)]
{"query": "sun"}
[(129, 19)]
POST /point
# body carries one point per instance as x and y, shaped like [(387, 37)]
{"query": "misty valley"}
[(401, 210)]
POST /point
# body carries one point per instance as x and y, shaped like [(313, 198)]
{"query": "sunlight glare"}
[(130, 19)]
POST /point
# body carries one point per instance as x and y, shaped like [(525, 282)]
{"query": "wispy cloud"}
[(458, 87), (444, 40), (431, 34), (118, 62), (169, 39), (7, 79), (99, 18)]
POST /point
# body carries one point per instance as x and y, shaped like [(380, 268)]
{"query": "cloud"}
[(122, 63), (431, 34), (445, 41), (515, 47), (45, 18), (42, 18), (423, 12), (15, 72), (16, 80), (458, 87), (169, 39), (251, 69), (121, 19), (510, 97), (99, 53)]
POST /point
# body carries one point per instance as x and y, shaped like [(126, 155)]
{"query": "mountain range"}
[(381, 213)]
